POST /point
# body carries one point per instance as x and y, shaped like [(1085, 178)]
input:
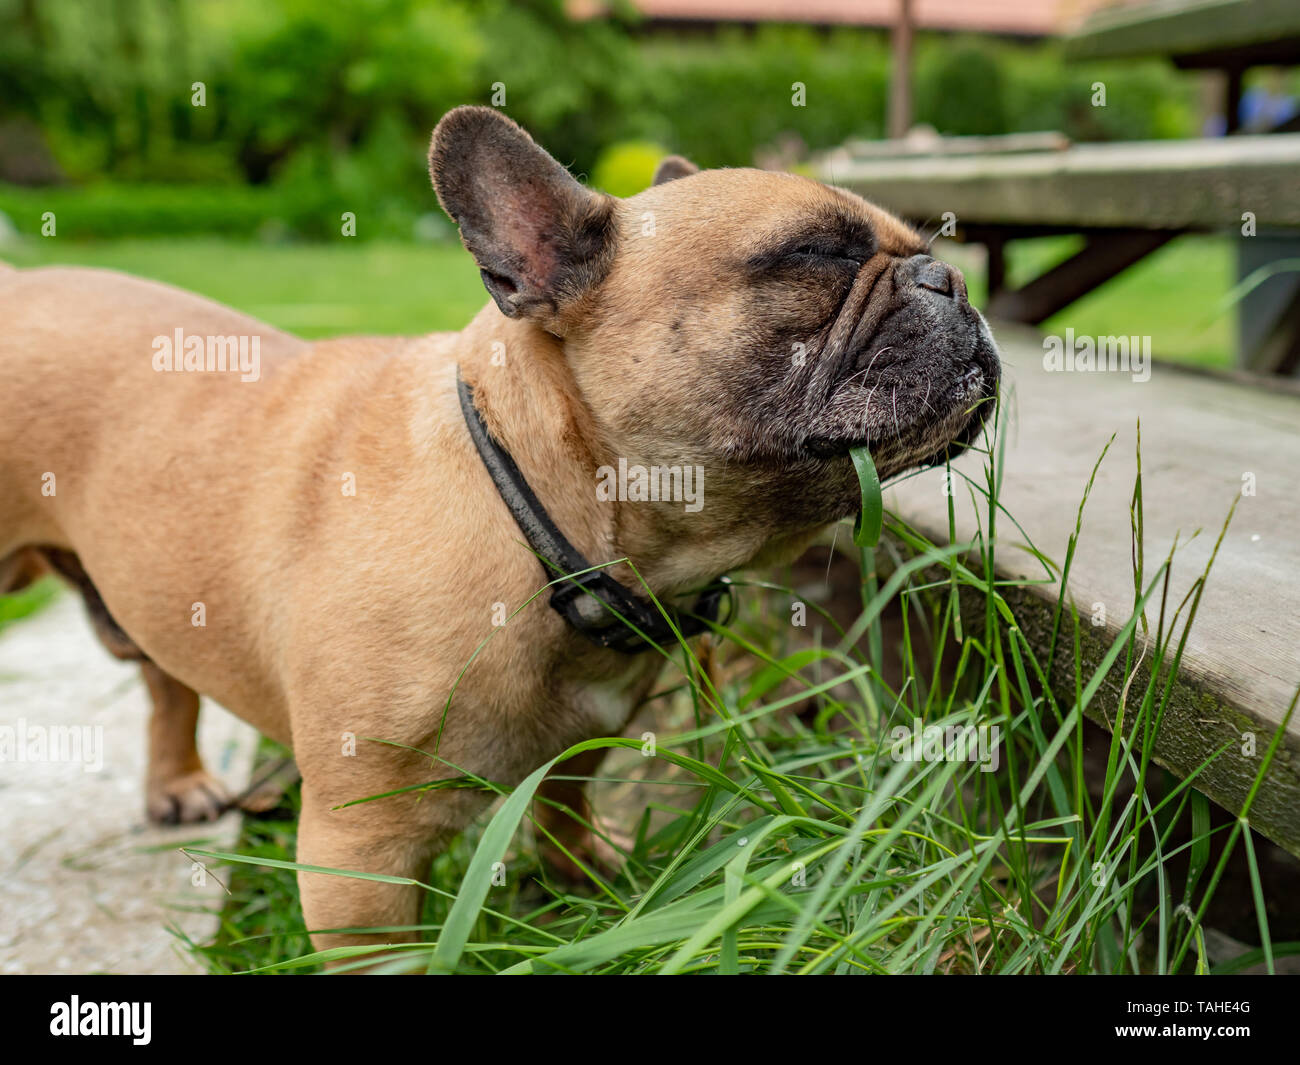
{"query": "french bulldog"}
[(338, 542)]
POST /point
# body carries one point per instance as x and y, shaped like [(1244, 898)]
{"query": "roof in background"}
[(1030, 18)]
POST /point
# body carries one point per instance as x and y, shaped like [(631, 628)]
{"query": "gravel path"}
[(86, 885)]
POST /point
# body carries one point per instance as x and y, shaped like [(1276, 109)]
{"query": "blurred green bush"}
[(626, 167), (114, 209), (314, 109)]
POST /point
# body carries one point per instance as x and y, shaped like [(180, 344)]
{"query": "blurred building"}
[(1018, 18)]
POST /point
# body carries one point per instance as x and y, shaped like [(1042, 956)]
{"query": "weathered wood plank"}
[(1193, 184), (1201, 436), (918, 143), (1185, 28)]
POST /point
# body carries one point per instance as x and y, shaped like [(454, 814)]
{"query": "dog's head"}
[(758, 324)]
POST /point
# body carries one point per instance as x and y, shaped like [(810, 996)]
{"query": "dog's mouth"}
[(930, 442), (921, 410), (904, 366)]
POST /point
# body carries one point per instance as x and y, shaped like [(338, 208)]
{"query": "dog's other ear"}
[(540, 238), (671, 167)]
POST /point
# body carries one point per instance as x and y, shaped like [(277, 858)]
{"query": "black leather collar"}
[(595, 604)]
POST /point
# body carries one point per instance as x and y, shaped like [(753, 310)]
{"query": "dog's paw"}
[(187, 799)]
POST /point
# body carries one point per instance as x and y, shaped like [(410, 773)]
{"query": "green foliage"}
[(22, 604), (356, 82), (331, 105), (975, 86), (566, 82), (1144, 100), (626, 168), (961, 89), (719, 100)]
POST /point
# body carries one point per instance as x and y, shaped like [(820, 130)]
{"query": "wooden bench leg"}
[(1279, 351), (1268, 316), (1101, 258)]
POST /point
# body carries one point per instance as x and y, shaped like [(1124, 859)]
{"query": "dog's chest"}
[(606, 703), (606, 707)]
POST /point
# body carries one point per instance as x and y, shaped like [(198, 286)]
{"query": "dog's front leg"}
[(563, 813), (394, 837)]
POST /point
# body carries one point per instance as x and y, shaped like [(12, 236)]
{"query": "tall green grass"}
[(772, 829)]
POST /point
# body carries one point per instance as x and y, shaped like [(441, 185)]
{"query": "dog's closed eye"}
[(837, 255), (813, 254)]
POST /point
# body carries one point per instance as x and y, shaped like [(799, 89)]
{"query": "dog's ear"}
[(672, 167), (540, 238)]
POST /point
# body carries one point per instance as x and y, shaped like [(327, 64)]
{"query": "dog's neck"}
[(525, 389), (525, 392)]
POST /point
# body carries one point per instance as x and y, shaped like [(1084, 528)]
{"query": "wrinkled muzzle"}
[(910, 369)]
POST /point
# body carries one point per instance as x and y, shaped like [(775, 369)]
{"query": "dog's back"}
[(76, 359)]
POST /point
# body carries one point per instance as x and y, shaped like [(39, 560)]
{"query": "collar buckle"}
[(614, 614)]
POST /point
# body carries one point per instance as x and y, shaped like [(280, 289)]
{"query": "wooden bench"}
[(1201, 434)]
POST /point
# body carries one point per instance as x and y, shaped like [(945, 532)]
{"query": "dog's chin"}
[(831, 455), (918, 443)]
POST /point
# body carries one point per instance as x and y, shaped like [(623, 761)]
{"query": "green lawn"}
[(395, 287), (314, 290), (1174, 296)]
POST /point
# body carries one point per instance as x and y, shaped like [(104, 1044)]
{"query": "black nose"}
[(938, 277)]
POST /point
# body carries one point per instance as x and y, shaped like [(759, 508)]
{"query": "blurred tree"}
[(95, 77), (322, 78), (962, 90), (568, 81), (329, 105)]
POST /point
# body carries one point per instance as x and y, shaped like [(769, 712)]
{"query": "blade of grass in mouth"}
[(866, 529)]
